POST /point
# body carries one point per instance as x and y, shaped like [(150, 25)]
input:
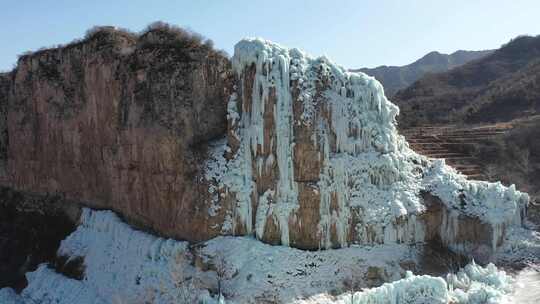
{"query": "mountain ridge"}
[(395, 78), (498, 87)]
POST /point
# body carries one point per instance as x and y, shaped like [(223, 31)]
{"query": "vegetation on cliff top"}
[(154, 35)]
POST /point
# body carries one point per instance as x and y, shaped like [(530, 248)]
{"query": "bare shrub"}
[(221, 271), (491, 173), (185, 285), (162, 33), (93, 31), (101, 29), (352, 283)]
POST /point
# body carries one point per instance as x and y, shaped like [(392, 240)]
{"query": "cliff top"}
[(155, 35)]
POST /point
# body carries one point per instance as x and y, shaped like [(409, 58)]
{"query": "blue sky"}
[(351, 33)]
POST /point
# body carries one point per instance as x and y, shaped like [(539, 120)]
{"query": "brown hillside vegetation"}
[(514, 158), (395, 78), (500, 91), (499, 87), (506, 152)]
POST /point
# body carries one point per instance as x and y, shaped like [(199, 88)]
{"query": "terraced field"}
[(450, 143)]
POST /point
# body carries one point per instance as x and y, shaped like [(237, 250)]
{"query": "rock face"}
[(118, 121), (303, 154), (313, 160), (31, 229), (5, 84)]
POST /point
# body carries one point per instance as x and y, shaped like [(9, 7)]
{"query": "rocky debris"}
[(70, 267)]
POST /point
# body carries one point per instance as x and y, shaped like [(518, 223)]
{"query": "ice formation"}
[(256, 270), (122, 265), (499, 206), (477, 284), (473, 284), (367, 180), (521, 246)]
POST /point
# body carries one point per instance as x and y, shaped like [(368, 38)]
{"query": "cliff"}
[(303, 153), (313, 159), (5, 84), (118, 121)]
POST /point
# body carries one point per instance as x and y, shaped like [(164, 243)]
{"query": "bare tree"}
[(491, 172), (352, 282), (221, 270), (523, 158), (185, 285)]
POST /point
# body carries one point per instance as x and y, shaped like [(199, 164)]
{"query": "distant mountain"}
[(499, 87), (395, 78)]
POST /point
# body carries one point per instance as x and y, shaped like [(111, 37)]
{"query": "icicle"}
[(367, 169), (262, 213)]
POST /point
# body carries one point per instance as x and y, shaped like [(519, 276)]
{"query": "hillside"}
[(395, 78), (498, 87), (514, 158)]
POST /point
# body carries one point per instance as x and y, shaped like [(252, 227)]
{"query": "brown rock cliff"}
[(118, 121)]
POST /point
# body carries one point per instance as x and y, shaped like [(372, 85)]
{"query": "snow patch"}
[(260, 271), (9, 296), (125, 265)]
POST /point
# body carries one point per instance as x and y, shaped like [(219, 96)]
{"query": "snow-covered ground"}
[(256, 270), (126, 265), (123, 265), (527, 287)]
